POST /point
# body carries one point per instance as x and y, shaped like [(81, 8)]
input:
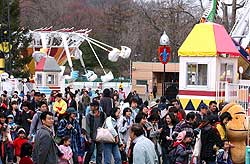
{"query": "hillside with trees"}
[(137, 24)]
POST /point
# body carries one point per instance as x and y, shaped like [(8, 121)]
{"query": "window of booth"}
[(226, 72), (39, 79), (196, 74), (51, 79)]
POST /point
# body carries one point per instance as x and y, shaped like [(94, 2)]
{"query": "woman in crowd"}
[(71, 102), (144, 109), (168, 124), (155, 132), (221, 126), (124, 124), (113, 148), (141, 118)]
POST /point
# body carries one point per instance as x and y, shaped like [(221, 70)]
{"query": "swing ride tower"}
[(63, 46)]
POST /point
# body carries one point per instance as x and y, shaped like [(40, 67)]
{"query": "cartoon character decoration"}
[(237, 131)]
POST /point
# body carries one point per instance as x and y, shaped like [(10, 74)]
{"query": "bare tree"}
[(230, 11)]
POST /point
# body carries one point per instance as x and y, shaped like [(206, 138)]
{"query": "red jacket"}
[(26, 160), (18, 142)]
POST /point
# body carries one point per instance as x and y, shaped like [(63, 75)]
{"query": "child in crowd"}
[(12, 129), (12, 126), (18, 142), (26, 152), (66, 150), (182, 152), (223, 155)]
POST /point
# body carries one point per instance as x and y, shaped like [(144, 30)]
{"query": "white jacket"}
[(111, 124)]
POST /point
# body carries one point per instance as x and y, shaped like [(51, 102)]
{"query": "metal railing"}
[(230, 92)]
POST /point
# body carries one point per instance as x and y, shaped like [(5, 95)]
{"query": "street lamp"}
[(164, 40), (164, 56)]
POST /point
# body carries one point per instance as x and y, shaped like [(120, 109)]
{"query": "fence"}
[(238, 93)]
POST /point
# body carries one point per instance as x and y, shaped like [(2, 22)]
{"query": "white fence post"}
[(227, 92)]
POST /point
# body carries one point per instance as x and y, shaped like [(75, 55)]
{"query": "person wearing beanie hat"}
[(10, 116), (21, 131), (12, 126), (18, 142), (12, 129), (71, 110), (69, 126), (202, 114)]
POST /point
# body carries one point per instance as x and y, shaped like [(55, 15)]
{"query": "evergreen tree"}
[(15, 60)]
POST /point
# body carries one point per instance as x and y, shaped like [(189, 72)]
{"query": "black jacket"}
[(209, 138), (165, 132), (107, 104), (72, 104)]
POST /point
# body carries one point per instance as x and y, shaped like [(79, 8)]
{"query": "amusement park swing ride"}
[(63, 46)]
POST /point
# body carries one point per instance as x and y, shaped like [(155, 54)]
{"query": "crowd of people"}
[(40, 130)]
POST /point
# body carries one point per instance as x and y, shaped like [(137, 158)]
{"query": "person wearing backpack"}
[(181, 151), (124, 125), (36, 123)]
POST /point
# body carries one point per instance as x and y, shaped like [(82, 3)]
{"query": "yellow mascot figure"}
[(237, 131)]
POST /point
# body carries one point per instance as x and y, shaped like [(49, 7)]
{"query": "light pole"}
[(164, 56)]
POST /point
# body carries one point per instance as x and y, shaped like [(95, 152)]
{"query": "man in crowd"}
[(142, 149), (85, 101), (26, 117), (34, 103), (213, 108), (59, 107), (94, 120), (5, 137), (121, 94), (45, 150), (177, 104), (36, 123), (202, 114), (107, 102), (188, 124)]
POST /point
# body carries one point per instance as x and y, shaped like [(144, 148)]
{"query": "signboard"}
[(164, 54)]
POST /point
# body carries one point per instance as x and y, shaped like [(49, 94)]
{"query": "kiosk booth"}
[(207, 56), (48, 75)]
